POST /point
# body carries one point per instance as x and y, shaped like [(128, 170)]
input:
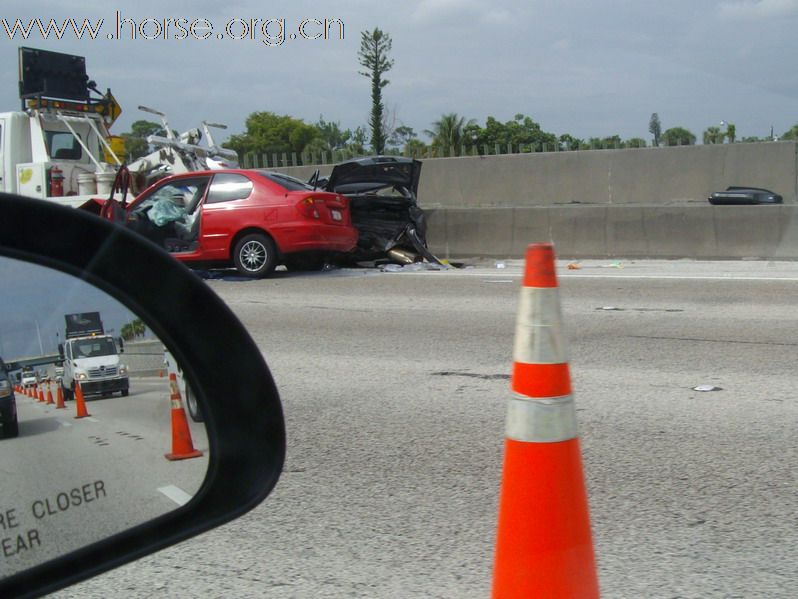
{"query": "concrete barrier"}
[(701, 232), (611, 203), (144, 357)]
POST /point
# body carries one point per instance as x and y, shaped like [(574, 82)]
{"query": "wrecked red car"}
[(250, 219)]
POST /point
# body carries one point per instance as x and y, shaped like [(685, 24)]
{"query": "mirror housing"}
[(243, 414)]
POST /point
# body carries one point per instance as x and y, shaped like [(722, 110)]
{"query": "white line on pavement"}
[(176, 494), (91, 419), (64, 423)]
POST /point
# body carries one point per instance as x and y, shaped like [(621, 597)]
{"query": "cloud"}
[(758, 9)]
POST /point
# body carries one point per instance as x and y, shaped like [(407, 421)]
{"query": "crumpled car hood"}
[(369, 174)]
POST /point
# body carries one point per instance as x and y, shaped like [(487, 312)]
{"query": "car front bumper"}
[(102, 386)]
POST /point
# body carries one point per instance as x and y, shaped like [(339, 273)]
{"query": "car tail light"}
[(307, 207)]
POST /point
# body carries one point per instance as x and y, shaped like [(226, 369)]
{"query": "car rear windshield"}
[(286, 181)]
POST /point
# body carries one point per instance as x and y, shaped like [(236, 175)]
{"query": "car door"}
[(223, 213), (170, 216)]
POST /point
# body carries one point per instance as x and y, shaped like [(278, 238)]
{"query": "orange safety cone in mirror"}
[(50, 395), (544, 546), (182, 447), (59, 398), (80, 402)]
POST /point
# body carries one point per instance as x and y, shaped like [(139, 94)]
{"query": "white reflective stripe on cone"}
[(548, 420), (539, 334)]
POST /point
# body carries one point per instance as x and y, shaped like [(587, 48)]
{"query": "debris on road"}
[(707, 388), (574, 266), (412, 267)]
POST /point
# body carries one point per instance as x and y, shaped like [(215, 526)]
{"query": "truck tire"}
[(255, 256), (191, 405)]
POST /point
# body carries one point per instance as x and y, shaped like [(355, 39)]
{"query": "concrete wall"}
[(658, 176), (144, 357), (647, 176), (702, 232), (611, 203)]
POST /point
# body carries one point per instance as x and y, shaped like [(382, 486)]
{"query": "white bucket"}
[(104, 183), (87, 184)]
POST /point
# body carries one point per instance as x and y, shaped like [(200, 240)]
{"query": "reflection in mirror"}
[(93, 438)]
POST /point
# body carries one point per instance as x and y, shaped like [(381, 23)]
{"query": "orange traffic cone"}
[(59, 398), (544, 546), (80, 402), (41, 394), (182, 447), (50, 395)]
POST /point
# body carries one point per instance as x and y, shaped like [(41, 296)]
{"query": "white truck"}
[(58, 145), (91, 358)]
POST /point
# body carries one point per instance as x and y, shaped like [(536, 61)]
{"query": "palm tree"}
[(713, 135), (138, 327), (447, 132)]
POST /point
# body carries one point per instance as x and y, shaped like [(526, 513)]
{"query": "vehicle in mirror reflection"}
[(82, 465)]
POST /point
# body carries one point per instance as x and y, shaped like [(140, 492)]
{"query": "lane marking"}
[(176, 494), (64, 423), (91, 419)]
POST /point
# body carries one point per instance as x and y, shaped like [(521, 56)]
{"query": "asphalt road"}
[(395, 386), (69, 481)]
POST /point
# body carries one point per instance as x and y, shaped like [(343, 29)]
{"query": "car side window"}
[(227, 187)]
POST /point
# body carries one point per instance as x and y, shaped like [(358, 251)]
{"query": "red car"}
[(252, 219)]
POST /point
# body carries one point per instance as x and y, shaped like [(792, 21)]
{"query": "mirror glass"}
[(92, 438)]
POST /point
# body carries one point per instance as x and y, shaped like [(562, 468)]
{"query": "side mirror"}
[(243, 436)]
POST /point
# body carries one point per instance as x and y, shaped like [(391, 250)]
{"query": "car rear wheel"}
[(255, 255)]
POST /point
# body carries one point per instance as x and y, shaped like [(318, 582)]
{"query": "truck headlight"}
[(81, 376), (122, 369)]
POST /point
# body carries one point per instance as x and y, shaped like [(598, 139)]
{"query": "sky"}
[(590, 69), (33, 301)]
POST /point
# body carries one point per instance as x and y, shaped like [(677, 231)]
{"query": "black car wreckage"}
[(382, 192)]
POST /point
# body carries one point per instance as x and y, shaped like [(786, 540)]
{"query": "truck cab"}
[(51, 154), (94, 363), (57, 146), (90, 358)]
